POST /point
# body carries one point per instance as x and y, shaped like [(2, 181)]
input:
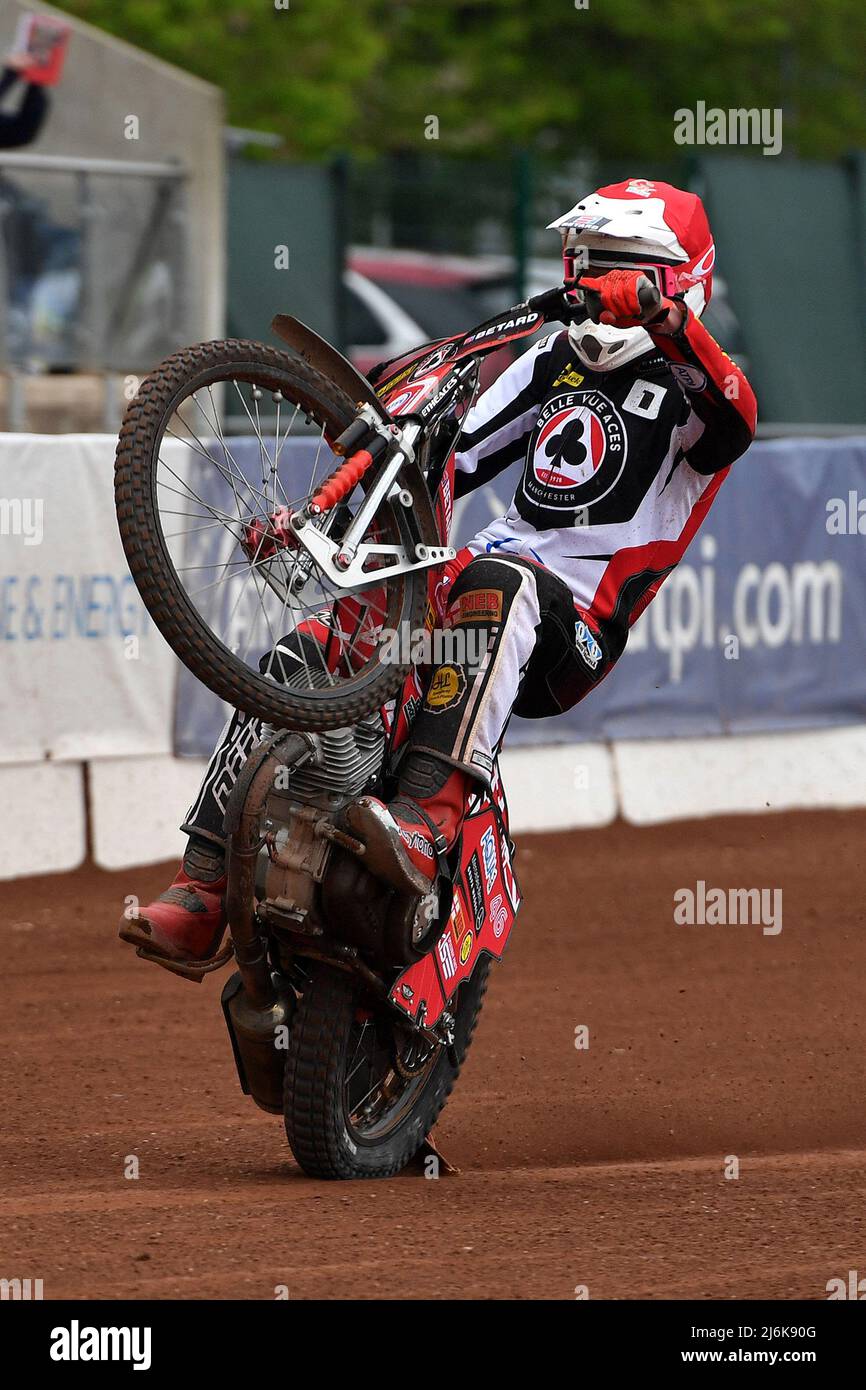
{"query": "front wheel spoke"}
[(262, 609), (256, 428), (278, 449), (258, 499), (214, 424), (274, 640), (288, 602), (194, 516), (316, 462), (214, 565), (287, 590), (346, 647), (234, 473), (192, 530), (194, 593), (238, 474), (191, 492), (263, 451), (241, 591)]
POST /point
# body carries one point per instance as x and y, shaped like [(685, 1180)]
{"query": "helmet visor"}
[(580, 259)]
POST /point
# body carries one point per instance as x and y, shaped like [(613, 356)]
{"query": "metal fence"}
[(94, 257)]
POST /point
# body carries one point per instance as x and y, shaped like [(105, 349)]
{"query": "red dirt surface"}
[(601, 1167)]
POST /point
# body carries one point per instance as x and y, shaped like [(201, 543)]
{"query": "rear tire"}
[(320, 1132)]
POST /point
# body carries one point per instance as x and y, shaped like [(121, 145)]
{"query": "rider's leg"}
[(188, 920), (503, 615)]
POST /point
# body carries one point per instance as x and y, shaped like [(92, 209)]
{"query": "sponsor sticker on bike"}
[(488, 854), (476, 892), (447, 958), (498, 915), (437, 357), (466, 948), (502, 327)]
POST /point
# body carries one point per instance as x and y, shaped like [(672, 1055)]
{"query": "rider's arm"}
[(24, 125), (721, 422), (500, 422)]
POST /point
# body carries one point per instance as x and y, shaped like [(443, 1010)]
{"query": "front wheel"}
[(219, 441), (361, 1091)]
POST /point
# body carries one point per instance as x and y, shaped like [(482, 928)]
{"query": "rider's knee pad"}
[(486, 589)]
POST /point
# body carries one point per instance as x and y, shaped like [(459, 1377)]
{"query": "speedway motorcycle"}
[(283, 517)]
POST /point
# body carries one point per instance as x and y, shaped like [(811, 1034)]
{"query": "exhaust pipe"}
[(253, 1004)]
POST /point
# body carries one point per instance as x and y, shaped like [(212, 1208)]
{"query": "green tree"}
[(364, 74)]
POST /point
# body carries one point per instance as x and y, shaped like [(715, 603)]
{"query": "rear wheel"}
[(219, 440), (361, 1091)]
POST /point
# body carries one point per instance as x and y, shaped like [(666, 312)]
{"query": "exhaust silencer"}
[(253, 1032), (256, 1001)]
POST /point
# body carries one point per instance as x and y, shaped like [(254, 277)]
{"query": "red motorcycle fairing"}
[(483, 909), (435, 359), (414, 391)]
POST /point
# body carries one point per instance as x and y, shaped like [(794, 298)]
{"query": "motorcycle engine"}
[(298, 821)]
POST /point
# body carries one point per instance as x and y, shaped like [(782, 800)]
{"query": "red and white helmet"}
[(638, 225)]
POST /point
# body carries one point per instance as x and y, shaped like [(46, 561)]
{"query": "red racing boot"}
[(186, 923), (407, 839)]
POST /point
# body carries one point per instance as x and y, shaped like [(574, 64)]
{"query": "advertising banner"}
[(762, 626)]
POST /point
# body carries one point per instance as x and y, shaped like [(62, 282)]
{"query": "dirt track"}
[(599, 1167)]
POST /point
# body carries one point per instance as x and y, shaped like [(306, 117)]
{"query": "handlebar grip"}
[(551, 304), (648, 297)]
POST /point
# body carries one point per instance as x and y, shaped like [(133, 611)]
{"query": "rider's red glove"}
[(617, 292)]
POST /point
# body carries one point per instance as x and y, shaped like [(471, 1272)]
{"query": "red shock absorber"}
[(343, 481)]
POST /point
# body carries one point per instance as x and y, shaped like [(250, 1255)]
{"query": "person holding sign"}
[(36, 61)]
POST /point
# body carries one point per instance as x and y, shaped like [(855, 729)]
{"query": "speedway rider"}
[(626, 428)]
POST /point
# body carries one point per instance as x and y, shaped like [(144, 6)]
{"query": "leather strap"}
[(440, 844)]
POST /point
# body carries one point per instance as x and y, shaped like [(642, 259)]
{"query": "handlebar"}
[(561, 306)]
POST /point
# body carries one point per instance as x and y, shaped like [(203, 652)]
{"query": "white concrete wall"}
[(44, 818), (676, 779), (136, 803), (561, 787)]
